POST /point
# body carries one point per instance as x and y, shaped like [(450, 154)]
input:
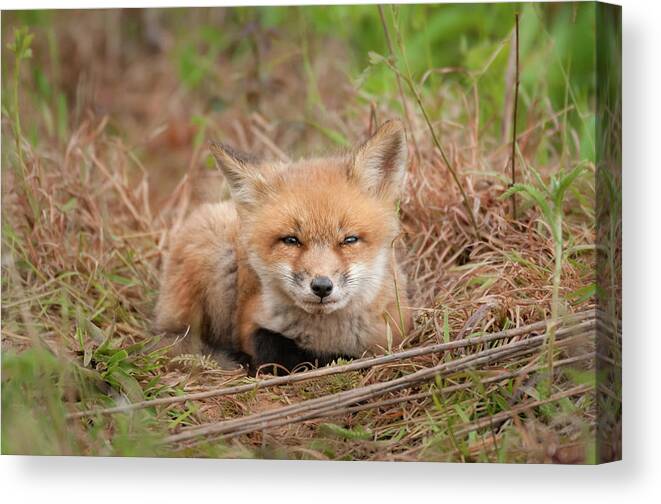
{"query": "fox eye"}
[(350, 240), (290, 240)]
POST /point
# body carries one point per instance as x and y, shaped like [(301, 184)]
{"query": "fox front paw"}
[(280, 355)]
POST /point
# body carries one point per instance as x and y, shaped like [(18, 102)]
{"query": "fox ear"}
[(244, 179), (379, 164)]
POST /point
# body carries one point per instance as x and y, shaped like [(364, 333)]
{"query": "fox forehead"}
[(316, 201)]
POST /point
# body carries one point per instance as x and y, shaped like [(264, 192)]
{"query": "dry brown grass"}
[(86, 266)]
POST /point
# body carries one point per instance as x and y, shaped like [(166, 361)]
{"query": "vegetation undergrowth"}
[(105, 118)]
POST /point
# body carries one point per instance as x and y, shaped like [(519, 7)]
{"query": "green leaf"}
[(116, 358), (357, 434), (333, 135), (71, 204), (200, 123), (462, 414), (583, 293), (580, 377), (21, 44), (128, 282), (564, 183), (128, 384), (538, 197), (446, 327), (375, 58), (90, 328), (437, 402)]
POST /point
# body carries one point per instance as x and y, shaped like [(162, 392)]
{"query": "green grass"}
[(96, 170)]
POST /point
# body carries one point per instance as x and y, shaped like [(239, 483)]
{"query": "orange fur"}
[(231, 269)]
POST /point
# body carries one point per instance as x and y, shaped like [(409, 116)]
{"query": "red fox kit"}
[(299, 267)]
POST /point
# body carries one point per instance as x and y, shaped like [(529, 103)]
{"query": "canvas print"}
[(370, 232)]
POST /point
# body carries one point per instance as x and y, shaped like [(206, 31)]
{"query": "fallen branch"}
[(584, 320), (332, 410), (315, 408), (461, 386)]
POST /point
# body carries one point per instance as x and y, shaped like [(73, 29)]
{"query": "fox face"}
[(318, 232), (319, 241)]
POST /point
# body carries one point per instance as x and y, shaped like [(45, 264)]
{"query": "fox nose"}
[(321, 286)]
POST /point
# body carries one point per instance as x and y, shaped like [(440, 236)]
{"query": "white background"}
[(636, 479)]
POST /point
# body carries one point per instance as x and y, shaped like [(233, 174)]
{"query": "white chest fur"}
[(349, 332)]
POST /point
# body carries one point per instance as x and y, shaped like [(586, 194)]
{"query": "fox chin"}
[(299, 266)]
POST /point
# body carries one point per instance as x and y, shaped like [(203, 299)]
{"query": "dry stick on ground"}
[(477, 317), (516, 102), (399, 84), (281, 416), (355, 365), (322, 406), (461, 386), (582, 319), (328, 405)]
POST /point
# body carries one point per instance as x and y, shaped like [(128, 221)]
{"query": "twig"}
[(270, 145), (477, 317), (584, 320), (461, 386), (315, 408), (120, 190), (333, 410), (516, 102)]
